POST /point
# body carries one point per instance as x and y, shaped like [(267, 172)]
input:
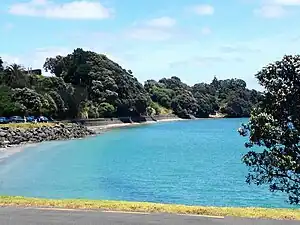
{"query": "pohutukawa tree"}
[(274, 130)]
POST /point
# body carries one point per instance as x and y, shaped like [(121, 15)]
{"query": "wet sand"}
[(7, 152)]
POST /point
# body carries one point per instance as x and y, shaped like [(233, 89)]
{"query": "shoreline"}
[(11, 150), (102, 128)]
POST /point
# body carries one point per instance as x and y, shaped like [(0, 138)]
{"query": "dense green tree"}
[(49, 106), (1, 65), (14, 76), (104, 80), (7, 105), (55, 65), (84, 80), (274, 127), (30, 101), (60, 104), (236, 107), (185, 105), (230, 96), (106, 110), (173, 83)]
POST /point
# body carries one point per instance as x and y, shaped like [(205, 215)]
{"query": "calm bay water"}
[(185, 162)]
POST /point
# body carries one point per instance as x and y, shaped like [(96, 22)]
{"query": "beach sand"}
[(99, 129), (7, 152)]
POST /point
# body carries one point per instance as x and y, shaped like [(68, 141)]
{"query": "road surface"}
[(31, 216)]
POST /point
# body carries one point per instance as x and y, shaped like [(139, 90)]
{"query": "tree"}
[(1, 65), (55, 65), (84, 80), (102, 79), (236, 107), (59, 102), (14, 76), (106, 110), (274, 128), (185, 105), (49, 106), (7, 105), (30, 101)]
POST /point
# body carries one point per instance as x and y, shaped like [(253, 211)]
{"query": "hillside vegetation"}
[(90, 85)]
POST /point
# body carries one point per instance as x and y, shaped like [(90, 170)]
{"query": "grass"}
[(26, 125), (287, 214), (164, 111), (160, 109)]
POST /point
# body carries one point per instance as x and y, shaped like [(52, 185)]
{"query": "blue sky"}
[(191, 39)]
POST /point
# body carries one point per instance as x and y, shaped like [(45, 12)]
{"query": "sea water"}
[(186, 162)]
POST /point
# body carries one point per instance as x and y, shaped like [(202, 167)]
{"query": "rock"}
[(11, 136)]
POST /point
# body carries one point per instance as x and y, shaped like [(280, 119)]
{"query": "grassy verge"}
[(290, 214), (27, 125)]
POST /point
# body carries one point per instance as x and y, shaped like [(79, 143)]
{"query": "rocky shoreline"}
[(17, 136)]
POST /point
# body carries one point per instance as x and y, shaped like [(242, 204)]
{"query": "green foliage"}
[(106, 110), (59, 102), (30, 101), (230, 97), (104, 80), (1, 65), (89, 109), (49, 105), (274, 126), (88, 85), (156, 109), (13, 76), (7, 105)]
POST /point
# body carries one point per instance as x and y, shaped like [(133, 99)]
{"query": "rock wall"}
[(16, 136)]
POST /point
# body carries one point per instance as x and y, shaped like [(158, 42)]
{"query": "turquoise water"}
[(186, 162)]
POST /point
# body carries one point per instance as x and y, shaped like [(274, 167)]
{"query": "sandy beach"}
[(99, 129), (7, 152)]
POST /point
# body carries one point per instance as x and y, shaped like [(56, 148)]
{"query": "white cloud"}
[(36, 58), (204, 9), (287, 2), (40, 54), (162, 22), (81, 9), (9, 59), (276, 8), (157, 29), (271, 11)]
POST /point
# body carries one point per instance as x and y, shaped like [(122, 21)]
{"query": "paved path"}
[(20, 216)]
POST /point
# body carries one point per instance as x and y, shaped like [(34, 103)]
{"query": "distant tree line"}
[(89, 85)]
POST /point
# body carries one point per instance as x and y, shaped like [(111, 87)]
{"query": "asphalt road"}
[(29, 216)]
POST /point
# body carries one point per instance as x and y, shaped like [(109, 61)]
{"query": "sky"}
[(192, 39)]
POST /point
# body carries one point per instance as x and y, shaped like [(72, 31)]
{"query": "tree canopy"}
[(274, 130), (89, 85), (230, 97)]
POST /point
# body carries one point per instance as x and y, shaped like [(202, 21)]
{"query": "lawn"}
[(288, 214), (27, 125)]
